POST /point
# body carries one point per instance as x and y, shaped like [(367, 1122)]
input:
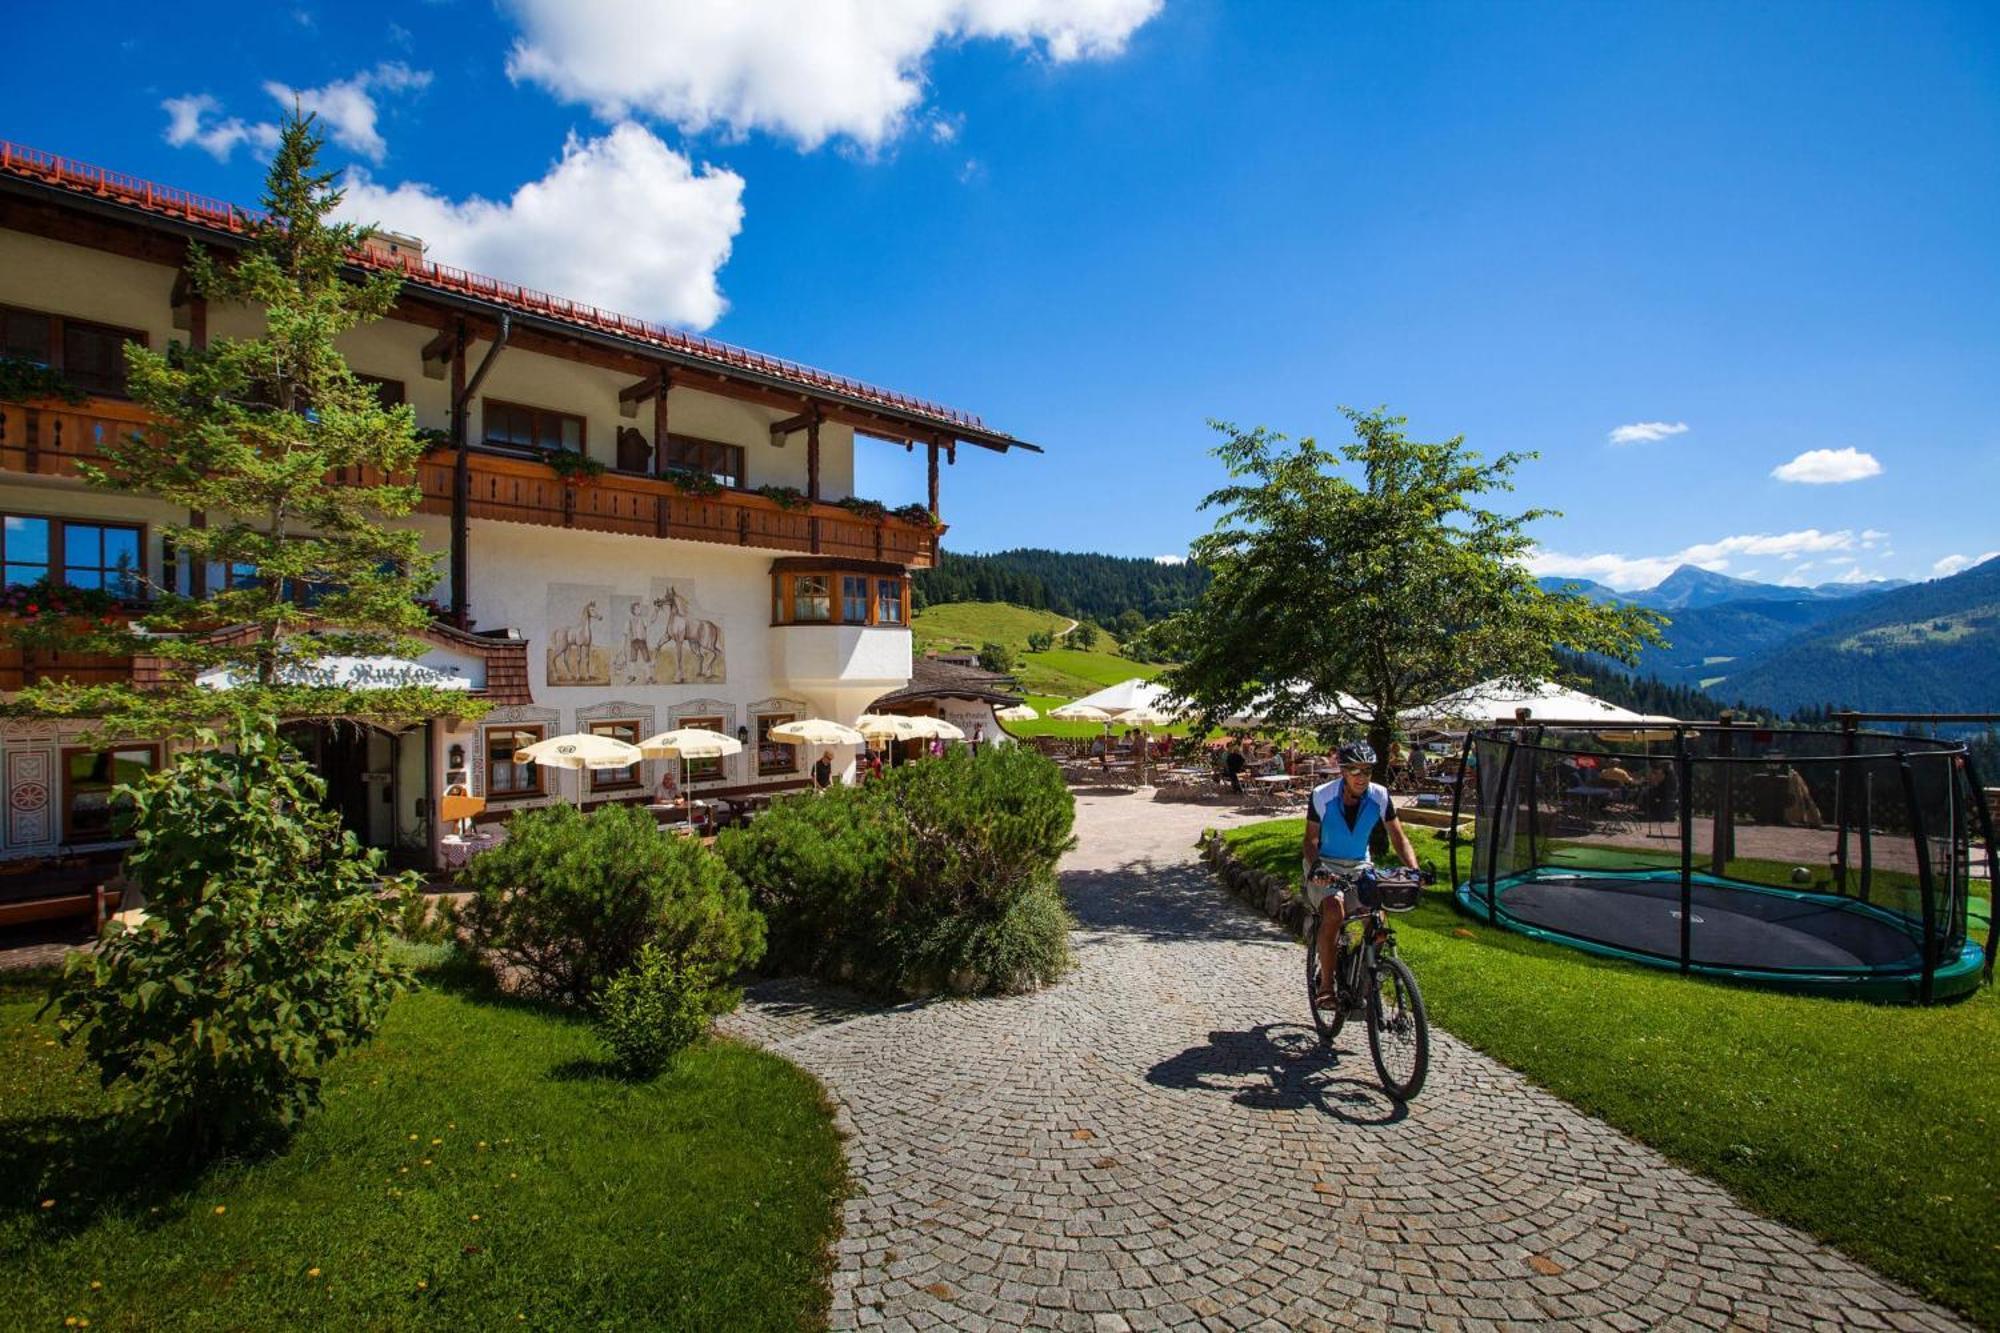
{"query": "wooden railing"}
[(49, 438), (32, 665), (525, 490)]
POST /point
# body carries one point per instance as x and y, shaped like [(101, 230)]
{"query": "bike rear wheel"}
[(1399, 1033), (1326, 1018)]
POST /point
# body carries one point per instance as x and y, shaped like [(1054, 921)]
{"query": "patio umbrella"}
[(815, 731), (1016, 713), (578, 750), (685, 743), (1079, 711), (935, 728), (1495, 703), (886, 726)]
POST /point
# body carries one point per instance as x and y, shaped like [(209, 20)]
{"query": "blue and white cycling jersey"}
[(1344, 833)]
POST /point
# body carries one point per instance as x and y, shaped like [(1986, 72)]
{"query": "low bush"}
[(940, 876), (651, 1012), (569, 900), (261, 957)]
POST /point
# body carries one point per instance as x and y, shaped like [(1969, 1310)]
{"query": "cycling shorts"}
[(1317, 894)]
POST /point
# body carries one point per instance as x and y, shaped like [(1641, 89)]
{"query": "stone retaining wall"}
[(1276, 896)]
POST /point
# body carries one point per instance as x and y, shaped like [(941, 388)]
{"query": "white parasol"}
[(687, 743), (578, 750)]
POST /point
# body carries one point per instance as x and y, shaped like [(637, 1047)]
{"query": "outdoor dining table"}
[(455, 849)]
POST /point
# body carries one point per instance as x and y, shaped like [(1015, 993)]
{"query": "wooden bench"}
[(40, 892)]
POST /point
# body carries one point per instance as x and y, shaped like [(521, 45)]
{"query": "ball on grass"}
[(1801, 875)]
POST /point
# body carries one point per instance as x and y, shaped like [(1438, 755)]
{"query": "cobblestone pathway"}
[(1157, 1142)]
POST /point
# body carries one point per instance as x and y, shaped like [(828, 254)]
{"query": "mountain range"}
[(1690, 588), (1886, 645)]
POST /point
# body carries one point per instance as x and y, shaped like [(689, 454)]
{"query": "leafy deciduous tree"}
[(1397, 585), (261, 955)]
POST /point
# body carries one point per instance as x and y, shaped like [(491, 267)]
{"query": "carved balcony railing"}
[(50, 438)]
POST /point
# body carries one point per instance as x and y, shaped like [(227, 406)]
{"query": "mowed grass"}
[(473, 1167), (1874, 1127), (949, 624)]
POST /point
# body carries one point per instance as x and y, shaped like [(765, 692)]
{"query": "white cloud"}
[(1170, 560), (806, 70), (1626, 572), (622, 221), (346, 107), (196, 119), (1951, 564), (1820, 467), (1646, 432)]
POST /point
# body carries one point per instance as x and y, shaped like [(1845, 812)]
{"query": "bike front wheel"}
[(1399, 1033)]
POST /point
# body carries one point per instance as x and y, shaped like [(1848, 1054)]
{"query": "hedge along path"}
[(1157, 1141)]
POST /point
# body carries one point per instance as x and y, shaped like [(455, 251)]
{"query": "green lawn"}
[(473, 1167), (1874, 1127), (949, 624)]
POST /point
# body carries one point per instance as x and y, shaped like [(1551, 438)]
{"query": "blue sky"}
[(1099, 223)]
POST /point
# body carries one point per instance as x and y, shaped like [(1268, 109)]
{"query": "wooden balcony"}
[(523, 490), (50, 438), (22, 665)]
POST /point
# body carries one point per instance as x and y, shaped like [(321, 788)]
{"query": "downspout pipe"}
[(461, 478)]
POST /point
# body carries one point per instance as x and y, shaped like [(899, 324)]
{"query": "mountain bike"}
[(1371, 981)]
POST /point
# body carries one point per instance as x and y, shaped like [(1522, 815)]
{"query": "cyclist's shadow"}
[(1283, 1067)]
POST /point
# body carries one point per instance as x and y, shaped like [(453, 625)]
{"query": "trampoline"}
[(1833, 863)]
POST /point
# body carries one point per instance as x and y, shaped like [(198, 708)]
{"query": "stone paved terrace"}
[(1157, 1143)]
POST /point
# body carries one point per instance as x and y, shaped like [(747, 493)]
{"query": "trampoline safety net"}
[(1847, 858)]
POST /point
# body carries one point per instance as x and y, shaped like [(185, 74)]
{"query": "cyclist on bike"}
[(1342, 816)]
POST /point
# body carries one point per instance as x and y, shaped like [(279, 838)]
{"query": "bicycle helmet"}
[(1357, 752)]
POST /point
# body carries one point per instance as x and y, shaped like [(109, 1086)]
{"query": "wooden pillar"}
[(660, 423), (461, 489), (812, 456), (933, 452)]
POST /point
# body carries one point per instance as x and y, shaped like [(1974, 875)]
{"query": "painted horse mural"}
[(686, 633)]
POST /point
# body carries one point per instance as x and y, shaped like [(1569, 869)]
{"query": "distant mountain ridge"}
[(1925, 647), (1690, 587)]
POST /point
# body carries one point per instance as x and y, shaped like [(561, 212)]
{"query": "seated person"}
[(1613, 774), (1659, 797), (1233, 764)]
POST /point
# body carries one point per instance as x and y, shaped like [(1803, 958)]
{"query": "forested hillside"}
[(1929, 647), (1085, 586)]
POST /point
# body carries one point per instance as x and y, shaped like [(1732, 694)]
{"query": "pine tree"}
[(297, 471)]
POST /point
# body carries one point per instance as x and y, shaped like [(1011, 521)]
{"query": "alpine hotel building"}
[(621, 604)]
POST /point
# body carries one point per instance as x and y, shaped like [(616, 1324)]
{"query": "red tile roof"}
[(219, 215)]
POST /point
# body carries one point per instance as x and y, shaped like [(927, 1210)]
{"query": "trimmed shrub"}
[(941, 876), (650, 1012), (262, 955), (568, 901)]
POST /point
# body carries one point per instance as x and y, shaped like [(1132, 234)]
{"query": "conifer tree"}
[(292, 472)]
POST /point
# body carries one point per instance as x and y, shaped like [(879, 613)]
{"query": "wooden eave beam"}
[(640, 390), (790, 425)]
